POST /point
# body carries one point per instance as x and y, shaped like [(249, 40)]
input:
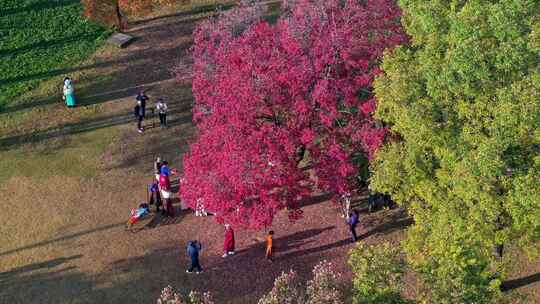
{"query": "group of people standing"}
[(140, 111), (194, 248), (160, 188)]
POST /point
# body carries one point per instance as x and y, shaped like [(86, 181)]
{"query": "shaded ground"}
[(63, 237)]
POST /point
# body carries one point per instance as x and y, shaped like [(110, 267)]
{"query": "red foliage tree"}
[(268, 96)]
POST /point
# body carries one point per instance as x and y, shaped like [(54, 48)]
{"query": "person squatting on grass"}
[(270, 246), (161, 107), (353, 222), (228, 244), (193, 249)]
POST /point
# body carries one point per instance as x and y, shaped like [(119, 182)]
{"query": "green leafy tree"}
[(378, 272), (463, 100)]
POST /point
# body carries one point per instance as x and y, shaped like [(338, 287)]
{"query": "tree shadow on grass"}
[(196, 10), (62, 238), (164, 220), (37, 6), (520, 282), (67, 129), (47, 44), (145, 64), (58, 281), (37, 266), (396, 221)]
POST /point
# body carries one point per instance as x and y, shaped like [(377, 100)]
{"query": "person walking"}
[(353, 222), (193, 249), (69, 92), (270, 246), (138, 111), (142, 98), (228, 244), (161, 107)]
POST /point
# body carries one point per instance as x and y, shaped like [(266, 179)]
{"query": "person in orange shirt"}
[(270, 246)]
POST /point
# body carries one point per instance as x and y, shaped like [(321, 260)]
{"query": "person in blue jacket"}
[(193, 249), (353, 222)]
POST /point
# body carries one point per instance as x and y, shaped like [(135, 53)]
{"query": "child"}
[(270, 246), (228, 244), (138, 213)]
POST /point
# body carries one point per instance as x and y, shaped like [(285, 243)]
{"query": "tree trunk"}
[(119, 17), (301, 155), (499, 248)]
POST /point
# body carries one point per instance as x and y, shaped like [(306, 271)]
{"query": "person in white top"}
[(161, 107)]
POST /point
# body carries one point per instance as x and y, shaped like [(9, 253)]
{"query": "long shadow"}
[(517, 283), (85, 126), (47, 44), (143, 55), (397, 221), (37, 266), (136, 66), (300, 253), (162, 220), (316, 199), (63, 238), (196, 10), (289, 242), (37, 6), (7, 143)]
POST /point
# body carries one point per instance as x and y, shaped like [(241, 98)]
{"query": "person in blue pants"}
[(353, 222), (193, 249)]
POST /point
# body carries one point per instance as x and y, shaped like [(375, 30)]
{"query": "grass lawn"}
[(40, 39)]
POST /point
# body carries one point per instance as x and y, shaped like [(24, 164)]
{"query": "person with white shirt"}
[(161, 107)]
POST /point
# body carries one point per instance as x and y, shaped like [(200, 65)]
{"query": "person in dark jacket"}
[(155, 197), (353, 222), (142, 98), (138, 111), (193, 249)]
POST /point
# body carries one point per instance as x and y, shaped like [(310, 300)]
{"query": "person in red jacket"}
[(165, 189), (228, 244)]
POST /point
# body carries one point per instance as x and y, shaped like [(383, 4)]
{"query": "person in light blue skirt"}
[(69, 94)]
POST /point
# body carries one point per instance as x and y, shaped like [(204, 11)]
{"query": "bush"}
[(378, 274), (322, 289), (169, 296)]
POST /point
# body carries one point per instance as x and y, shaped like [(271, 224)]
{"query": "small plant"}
[(169, 296), (287, 290), (322, 289)]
